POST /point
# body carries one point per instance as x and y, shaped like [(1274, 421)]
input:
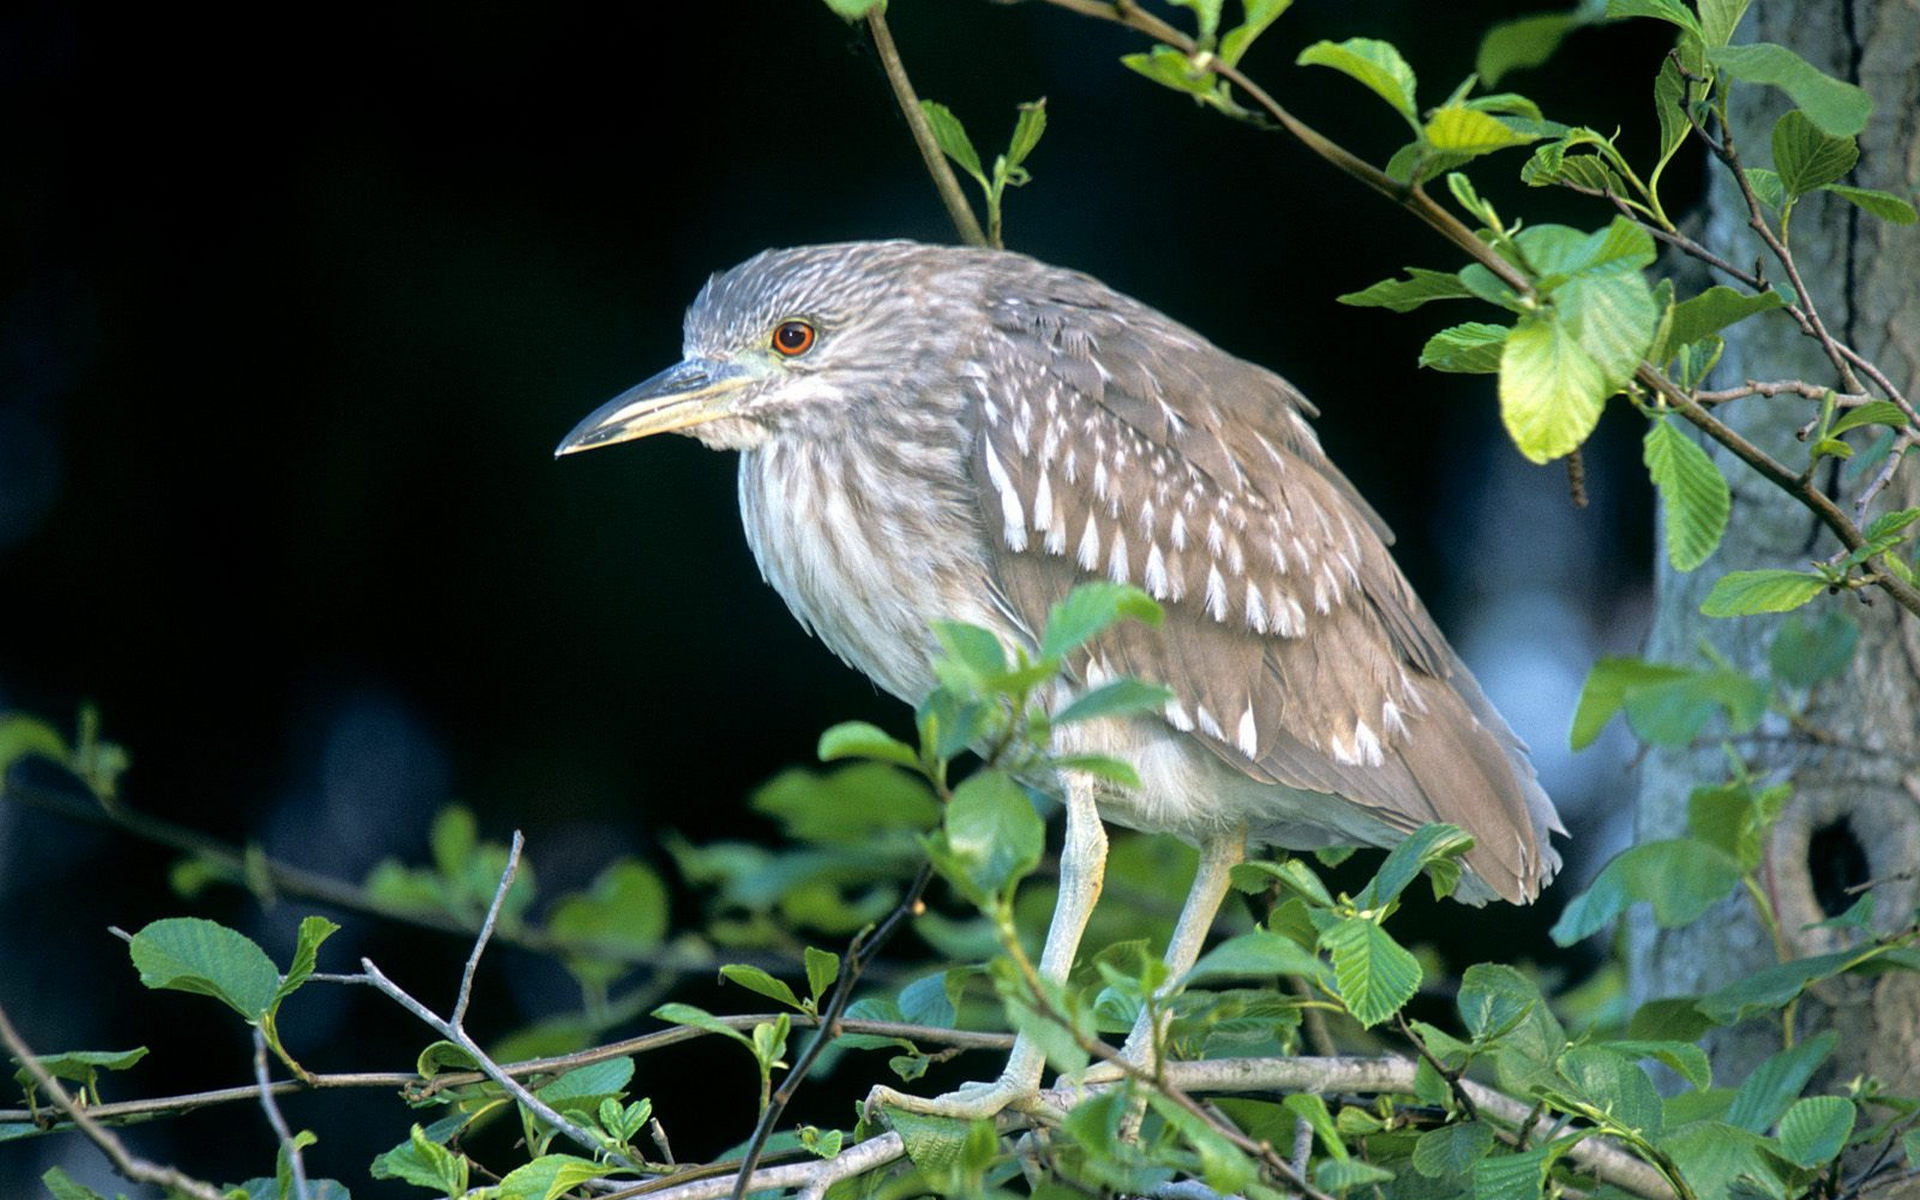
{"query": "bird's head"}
[(790, 340)]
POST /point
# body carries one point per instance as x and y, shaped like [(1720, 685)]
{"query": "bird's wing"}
[(1118, 444)]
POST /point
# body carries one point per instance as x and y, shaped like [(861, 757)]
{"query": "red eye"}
[(793, 338)]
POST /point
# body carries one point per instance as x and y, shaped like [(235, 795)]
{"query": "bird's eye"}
[(793, 338)]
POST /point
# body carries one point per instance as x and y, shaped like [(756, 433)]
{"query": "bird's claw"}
[(968, 1102)]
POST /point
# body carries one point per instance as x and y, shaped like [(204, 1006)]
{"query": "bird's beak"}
[(694, 392)]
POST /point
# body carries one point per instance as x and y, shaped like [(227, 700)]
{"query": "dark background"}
[(294, 313)]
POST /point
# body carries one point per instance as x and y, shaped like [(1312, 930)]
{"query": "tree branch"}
[(944, 180)]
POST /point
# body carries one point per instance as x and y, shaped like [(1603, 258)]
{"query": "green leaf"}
[(1719, 18), (1472, 348), (1612, 1085), (424, 1162), (1089, 609), (189, 954), (1680, 877), (1742, 593), (1839, 109), (700, 1018), (848, 806), (1873, 412), (1805, 158), (1207, 13), (1687, 1060), (1816, 1129), (549, 1176), (855, 10), (24, 736), (1457, 129), (1803, 655), (1551, 391), (1405, 295), (1767, 1093), (584, 1088), (1374, 63), (1714, 310), (1257, 954), (953, 139), (974, 650), (1343, 1175), (1028, 128), (1522, 42), (1224, 1167), (625, 908), (1452, 1150), (991, 837), (1885, 205), (1670, 106), (756, 980), (1100, 766), (823, 968), (1426, 845), (62, 1186), (313, 931), (1171, 69), (455, 841), (1374, 974), (1612, 317), (1259, 15), (80, 1066), (1767, 187), (1769, 989), (1735, 818), (1605, 692), (1514, 1176), (1694, 496), (936, 1145), (1674, 713), (1116, 698), (862, 739), (1719, 1160), (1670, 11)]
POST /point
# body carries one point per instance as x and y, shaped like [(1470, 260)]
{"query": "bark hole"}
[(1836, 861)]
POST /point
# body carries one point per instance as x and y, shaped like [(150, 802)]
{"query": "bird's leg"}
[(1219, 854), (1083, 862)]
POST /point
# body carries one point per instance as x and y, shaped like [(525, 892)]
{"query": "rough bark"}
[(1865, 784)]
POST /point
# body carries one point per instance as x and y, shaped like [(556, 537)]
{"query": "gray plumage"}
[(974, 431)]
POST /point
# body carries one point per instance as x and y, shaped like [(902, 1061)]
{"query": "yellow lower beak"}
[(692, 393)]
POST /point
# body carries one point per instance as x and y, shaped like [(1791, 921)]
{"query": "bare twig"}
[(130, 1166), (486, 928), (263, 1088), (1460, 1094), (944, 180), (1783, 387)]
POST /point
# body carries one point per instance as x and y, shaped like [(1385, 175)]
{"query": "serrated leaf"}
[(760, 982), (1171, 69), (1768, 989), (1613, 1085), (1428, 844), (1089, 609), (1115, 698), (1719, 18), (1816, 1129), (1452, 1150), (1376, 64), (952, 138), (1714, 310), (1028, 128), (1805, 157), (190, 954), (1374, 975), (1680, 877), (1766, 187), (1405, 295), (1343, 1175), (584, 1088), (823, 969), (1695, 499), (1513, 1176), (1766, 1094), (1457, 129), (862, 739), (1742, 593), (936, 1145), (306, 952), (1258, 954), (422, 1161), (549, 1176), (1885, 205), (1669, 105), (1717, 1159), (1472, 348), (1840, 109), (1687, 1060), (1551, 391), (1873, 412)]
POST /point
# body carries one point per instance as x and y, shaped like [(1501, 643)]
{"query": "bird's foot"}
[(971, 1101)]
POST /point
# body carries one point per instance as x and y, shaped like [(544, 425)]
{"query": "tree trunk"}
[(1855, 813)]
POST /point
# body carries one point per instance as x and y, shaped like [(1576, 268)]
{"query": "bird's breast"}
[(868, 544)]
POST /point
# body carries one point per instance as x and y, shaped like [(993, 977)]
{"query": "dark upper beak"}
[(691, 393)]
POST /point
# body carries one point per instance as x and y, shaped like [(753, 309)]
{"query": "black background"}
[(297, 306)]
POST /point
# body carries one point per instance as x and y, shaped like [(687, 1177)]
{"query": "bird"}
[(931, 433)]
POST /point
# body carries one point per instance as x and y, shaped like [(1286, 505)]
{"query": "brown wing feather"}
[(1119, 444)]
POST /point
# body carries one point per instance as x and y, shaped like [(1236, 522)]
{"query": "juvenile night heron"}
[(931, 432)]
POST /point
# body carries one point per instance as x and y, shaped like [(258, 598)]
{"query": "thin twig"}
[(130, 1166), (865, 945), (1783, 387), (944, 180), (1460, 1094), (263, 1088), (486, 928)]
